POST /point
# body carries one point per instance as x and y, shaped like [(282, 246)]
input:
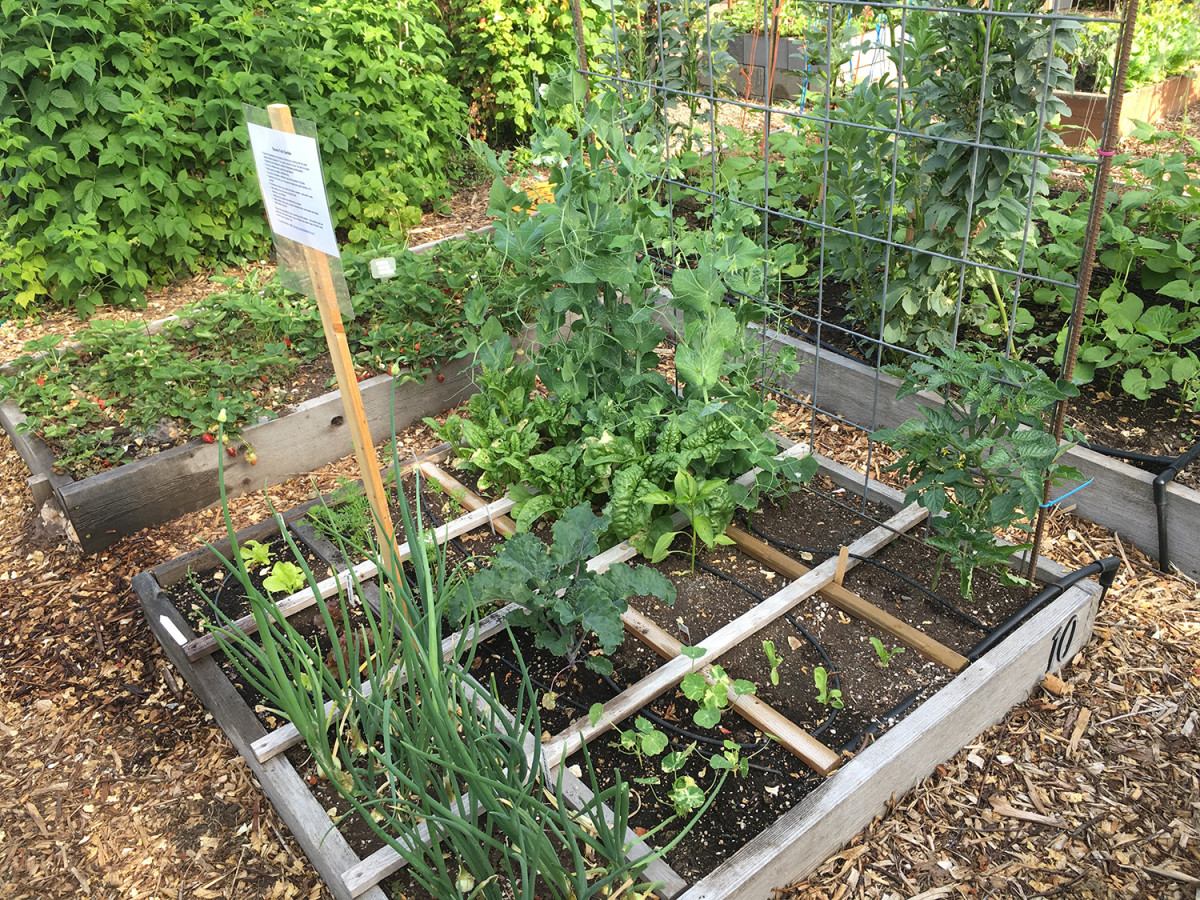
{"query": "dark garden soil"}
[(724, 585)]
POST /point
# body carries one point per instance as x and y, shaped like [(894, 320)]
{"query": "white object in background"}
[(383, 267)]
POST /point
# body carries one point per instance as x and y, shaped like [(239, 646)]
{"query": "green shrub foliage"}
[(123, 156)]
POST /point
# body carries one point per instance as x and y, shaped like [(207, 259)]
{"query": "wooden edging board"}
[(1120, 496), (121, 501), (803, 837)]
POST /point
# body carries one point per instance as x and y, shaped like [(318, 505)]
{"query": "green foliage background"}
[(123, 159)]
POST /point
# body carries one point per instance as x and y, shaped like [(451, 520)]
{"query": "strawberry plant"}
[(124, 392)]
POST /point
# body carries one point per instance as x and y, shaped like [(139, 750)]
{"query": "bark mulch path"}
[(114, 782)]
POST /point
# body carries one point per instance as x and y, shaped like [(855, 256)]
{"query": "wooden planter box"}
[(106, 507), (798, 841), (1120, 496), (1148, 103)]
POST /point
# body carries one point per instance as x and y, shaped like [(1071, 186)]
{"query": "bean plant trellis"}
[(882, 219)]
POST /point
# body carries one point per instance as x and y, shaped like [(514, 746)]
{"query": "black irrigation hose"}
[(1105, 568), (1133, 456), (949, 607), (853, 745), (1160, 500)]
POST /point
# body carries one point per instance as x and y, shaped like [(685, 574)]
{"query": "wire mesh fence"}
[(884, 181)]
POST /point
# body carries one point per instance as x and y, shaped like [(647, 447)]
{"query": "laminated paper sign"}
[(289, 171)]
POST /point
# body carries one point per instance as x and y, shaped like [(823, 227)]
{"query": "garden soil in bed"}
[(726, 584)]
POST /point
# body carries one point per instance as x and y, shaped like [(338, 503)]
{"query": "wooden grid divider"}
[(850, 603), (665, 677), (302, 600)]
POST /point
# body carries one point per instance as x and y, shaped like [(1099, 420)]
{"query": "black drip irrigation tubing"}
[(944, 604), (1107, 570), (1166, 476)]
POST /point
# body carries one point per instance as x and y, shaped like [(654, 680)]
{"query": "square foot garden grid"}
[(850, 788)]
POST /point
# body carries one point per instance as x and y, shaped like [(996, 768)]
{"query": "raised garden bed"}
[(840, 793), (102, 508), (1148, 103), (1120, 496)]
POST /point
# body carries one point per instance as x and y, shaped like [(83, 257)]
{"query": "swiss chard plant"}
[(979, 462), (563, 601)]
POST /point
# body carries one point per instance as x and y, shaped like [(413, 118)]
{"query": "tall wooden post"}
[(343, 366)]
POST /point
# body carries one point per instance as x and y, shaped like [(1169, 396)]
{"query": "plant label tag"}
[(170, 628), (383, 267), (289, 173)]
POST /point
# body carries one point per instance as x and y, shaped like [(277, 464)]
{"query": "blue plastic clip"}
[(1068, 493)]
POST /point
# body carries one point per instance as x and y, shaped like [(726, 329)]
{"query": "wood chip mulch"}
[(114, 781)]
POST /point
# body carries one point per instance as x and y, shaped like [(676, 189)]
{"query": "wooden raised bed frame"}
[(979, 696), (1120, 497), (119, 502), (1148, 103)]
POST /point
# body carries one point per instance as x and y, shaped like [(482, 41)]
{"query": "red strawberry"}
[(41, 381), (287, 341), (417, 347), (208, 437), (100, 403), (231, 450), (441, 377)]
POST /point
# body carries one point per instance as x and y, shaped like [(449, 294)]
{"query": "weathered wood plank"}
[(977, 698), (851, 603), (324, 846), (791, 736), (662, 679), (302, 600), (184, 479)]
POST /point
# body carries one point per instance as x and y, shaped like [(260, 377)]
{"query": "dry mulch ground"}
[(116, 783)]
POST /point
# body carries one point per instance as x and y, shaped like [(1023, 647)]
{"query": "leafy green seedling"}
[(885, 655), (254, 554), (643, 739), (712, 696), (826, 695), (730, 759), (708, 505), (285, 578), (561, 599), (773, 660), (692, 653), (686, 795)]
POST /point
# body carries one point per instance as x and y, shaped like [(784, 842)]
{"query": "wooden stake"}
[(343, 366), (840, 572)]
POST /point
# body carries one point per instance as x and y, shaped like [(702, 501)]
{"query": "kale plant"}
[(561, 599)]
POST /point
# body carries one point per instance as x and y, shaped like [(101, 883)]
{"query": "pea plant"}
[(978, 463)]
